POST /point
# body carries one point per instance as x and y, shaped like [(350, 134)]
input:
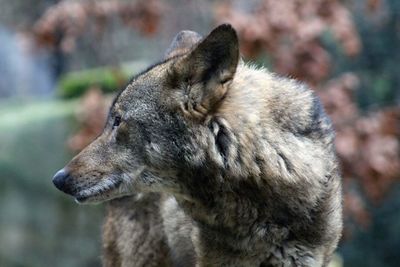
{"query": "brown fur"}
[(243, 161), (133, 233)]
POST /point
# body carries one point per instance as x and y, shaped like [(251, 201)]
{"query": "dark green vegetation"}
[(38, 225), (376, 245), (377, 64), (75, 84)]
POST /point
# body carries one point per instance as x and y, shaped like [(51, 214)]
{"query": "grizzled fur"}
[(133, 233), (243, 159)]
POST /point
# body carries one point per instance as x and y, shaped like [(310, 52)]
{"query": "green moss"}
[(76, 83), (108, 79)]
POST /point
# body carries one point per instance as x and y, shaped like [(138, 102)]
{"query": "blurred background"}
[(62, 61)]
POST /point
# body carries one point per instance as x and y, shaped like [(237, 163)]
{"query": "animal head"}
[(148, 136)]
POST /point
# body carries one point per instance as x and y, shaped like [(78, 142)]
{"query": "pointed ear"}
[(216, 57), (182, 43), (208, 69)]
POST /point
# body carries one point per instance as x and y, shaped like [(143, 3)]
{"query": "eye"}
[(117, 121)]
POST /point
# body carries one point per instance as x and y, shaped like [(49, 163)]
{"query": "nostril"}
[(59, 179)]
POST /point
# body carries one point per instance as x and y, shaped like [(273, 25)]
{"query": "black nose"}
[(60, 181)]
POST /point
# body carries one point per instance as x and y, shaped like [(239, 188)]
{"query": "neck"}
[(228, 205), (231, 218)]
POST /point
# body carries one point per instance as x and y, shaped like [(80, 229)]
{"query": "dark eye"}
[(117, 121)]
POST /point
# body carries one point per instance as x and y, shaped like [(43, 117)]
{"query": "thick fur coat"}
[(241, 160)]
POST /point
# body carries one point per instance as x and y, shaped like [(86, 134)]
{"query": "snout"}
[(60, 180)]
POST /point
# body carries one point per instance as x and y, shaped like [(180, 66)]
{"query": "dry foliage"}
[(368, 146), (290, 30), (63, 23)]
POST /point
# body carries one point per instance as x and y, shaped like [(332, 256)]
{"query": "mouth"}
[(99, 192)]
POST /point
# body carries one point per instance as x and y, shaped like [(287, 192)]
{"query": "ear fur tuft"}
[(207, 70)]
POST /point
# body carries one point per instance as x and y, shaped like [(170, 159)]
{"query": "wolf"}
[(241, 161)]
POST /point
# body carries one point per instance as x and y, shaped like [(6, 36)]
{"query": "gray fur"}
[(244, 160)]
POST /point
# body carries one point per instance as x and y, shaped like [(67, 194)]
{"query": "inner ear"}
[(182, 43), (216, 57), (206, 71)]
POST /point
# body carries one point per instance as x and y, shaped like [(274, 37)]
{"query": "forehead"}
[(143, 89)]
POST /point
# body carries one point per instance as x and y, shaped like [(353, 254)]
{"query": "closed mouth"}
[(98, 192), (81, 199)]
